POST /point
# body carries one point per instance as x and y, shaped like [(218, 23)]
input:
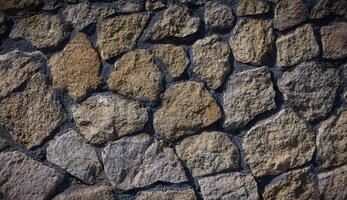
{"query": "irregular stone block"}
[(332, 184), (186, 194), (289, 13), (251, 7), (128, 6), (19, 7), (218, 15), (320, 9), (101, 192), (334, 40)]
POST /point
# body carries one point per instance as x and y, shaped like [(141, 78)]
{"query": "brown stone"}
[(19, 7), (334, 40), (186, 194), (218, 15), (289, 13), (251, 7), (101, 192), (2, 23), (332, 184), (155, 4)]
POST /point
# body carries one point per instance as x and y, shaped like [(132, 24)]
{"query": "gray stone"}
[(289, 13), (19, 7), (180, 194), (100, 192), (251, 7), (3, 27), (193, 2), (339, 7), (218, 15), (129, 6), (320, 9), (334, 40), (332, 184), (3, 142)]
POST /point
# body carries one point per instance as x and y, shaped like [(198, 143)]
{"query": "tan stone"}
[(332, 184), (251, 7), (218, 15), (128, 6), (155, 4), (186, 194), (289, 13), (334, 40), (101, 192)]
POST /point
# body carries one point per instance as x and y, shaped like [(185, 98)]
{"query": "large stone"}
[(128, 6), (19, 7), (186, 194), (252, 40), (252, 7), (26, 179), (101, 192), (70, 152), (278, 144), (211, 60), (136, 161), (248, 94), (119, 35), (218, 15), (186, 107), (334, 40), (332, 184), (310, 88), (136, 76), (289, 13)]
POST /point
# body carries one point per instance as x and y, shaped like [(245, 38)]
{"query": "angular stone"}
[(278, 144), (208, 153), (252, 40), (289, 13), (211, 60), (136, 76), (155, 4), (332, 184), (252, 7), (296, 47), (310, 88), (186, 194), (24, 178), (19, 7), (76, 68), (186, 107), (334, 40), (229, 186), (114, 34), (70, 152), (218, 15), (320, 9), (136, 161), (128, 6), (101, 192)]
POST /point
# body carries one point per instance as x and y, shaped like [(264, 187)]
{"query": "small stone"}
[(310, 88), (211, 59), (76, 68), (251, 7), (114, 34), (19, 7), (218, 15), (334, 40), (320, 9), (278, 144), (24, 178), (70, 152), (252, 40), (186, 107), (174, 58), (186, 194), (136, 161), (208, 153), (332, 184), (155, 4), (229, 186), (296, 47), (289, 13), (129, 6), (175, 22), (101, 192)]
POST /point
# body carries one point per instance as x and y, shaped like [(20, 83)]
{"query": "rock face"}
[(252, 40), (102, 192), (136, 161), (218, 16), (19, 6), (334, 40), (24, 178), (279, 144), (186, 194), (70, 152), (211, 60), (332, 184), (186, 107), (254, 7), (289, 13), (314, 98), (113, 34), (247, 95), (137, 76)]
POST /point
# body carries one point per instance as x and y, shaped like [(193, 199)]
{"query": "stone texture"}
[(136, 161), (193, 2), (296, 47), (211, 59), (101, 192), (186, 107), (339, 8), (186, 194), (332, 184), (136, 76), (208, 153), (334, 40), (310, 88), (70, 152), (252, 40), (289, 13), (128, 6), (3, 27), (155, 4), (19, 7), (251, 7), (218, 15), (26, 179), (320, 9), (278, 144), (114, 34), (229, 186)]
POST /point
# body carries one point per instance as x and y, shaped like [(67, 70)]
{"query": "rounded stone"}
[(289, 13)]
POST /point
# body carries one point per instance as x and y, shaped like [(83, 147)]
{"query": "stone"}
[(289, 13), (129, 6), (296, 47), (3, 27), (175, 22), (174, 58), (41, 30), (76, 68), (100, 192), (334, 40), (155, 4), (332, 184), (136, 162), (208, 153), (113, 34), (19, 7), (136, 75), (320, 9), (218, 15), (252, 40), (278, 144), (193, 2), (211, 60), (186, 107), (70, 152), (33, 114), (229, 186), (314, 98), (186, 194), (3, 143), (252, 7), (24, 178), (339, 7)]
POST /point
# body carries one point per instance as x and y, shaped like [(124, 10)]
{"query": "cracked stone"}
[(332, 184), (101, 192), (218, 15), (289, 13), (334, 40), (175, 194), (253, 7)]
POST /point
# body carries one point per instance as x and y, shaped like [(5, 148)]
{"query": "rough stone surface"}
[(218, 15), (2, 23), (334, 40), (19, 6), (193, 2), (128, 6), (186, 194), (253, 7), (289, 13), (320, 9), (332, 184), (155, 4), (101, 192), (3, 143)]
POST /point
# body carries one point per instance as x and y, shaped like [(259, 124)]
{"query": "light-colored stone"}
[(289, 13), (218, 15), (252, 7), (101, 192), (129, 6), (334, 40), (332, 184), (186, 194), (19, 7)]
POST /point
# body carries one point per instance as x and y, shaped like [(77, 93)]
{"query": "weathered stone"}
[(175, 22), (128, 6), (218, 15), (229, 186), (320, 9), (289, 13), (76, 68), (174, 58), (2, 23), (41, 30), (278, 144), (186, 107), (334, 40), (252, 40), (211, 60), (114, 34), (155, 4), (136, 161), (339, 7), (24, 178), (310, 88), (70, 152), (19, 7), (186, 194), (251, 7), (208, 153), (101, 192), (332, 184), (296, 47)]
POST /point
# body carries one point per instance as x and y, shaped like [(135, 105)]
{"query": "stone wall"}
[(173, 100)]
